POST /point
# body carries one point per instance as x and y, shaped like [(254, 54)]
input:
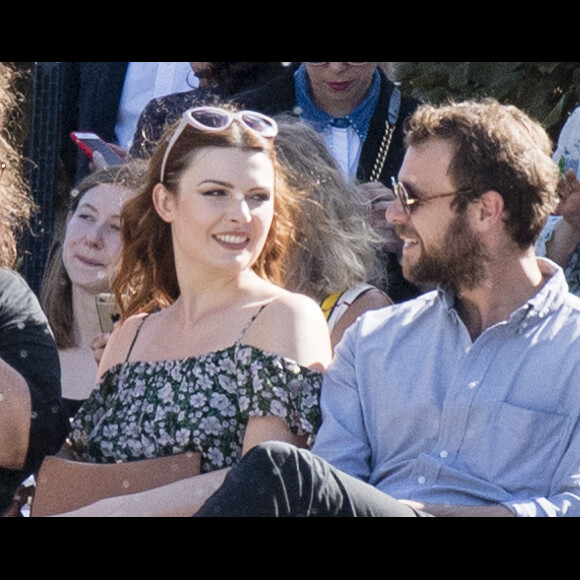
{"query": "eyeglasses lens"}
[(211, 119), (261, 125), (401, 194)]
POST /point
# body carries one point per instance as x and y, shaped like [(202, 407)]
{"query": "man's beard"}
[(459, 263)]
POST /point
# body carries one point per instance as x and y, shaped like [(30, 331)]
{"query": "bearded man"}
[(464, 401)]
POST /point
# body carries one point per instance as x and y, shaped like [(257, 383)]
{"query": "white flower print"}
[(227, 384), (244, 356), (182, 437), (281, 393), (227, 366), (110, 431), (278, 409), (244, 404), (197, 400), (215, 456), (147, 410), (222, 404), (205, 383), (211, 425), (166, 394)]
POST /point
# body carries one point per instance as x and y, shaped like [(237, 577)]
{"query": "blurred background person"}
[(33, 423), (360, 113), (218, 81), (334, 256), (560, 239), (82, 263), (108, 97)]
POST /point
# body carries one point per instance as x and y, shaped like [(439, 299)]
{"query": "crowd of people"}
[(347, 302)]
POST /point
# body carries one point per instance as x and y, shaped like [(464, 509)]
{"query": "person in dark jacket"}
[(361, 114), (219, 81), (33, 423), (96, 92)]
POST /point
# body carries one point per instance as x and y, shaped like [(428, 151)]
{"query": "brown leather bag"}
[(63, 485)]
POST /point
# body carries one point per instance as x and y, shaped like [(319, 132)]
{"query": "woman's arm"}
[(15, 418), (184, 498), (181, 499), (372, 300)]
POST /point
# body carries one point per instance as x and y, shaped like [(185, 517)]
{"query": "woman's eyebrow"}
[(216, 182)]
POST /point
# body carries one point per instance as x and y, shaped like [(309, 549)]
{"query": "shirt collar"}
[(549, 299), (359, 119), (552, 296)]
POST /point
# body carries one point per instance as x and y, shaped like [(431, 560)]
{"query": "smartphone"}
[(89, 142), (109, 312)]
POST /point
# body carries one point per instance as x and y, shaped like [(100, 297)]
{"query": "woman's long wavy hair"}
[(56, 294), (335, 247), (16, 203), (147, 279)]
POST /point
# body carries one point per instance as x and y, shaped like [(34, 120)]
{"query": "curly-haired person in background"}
[(33, 423), (334, 254)]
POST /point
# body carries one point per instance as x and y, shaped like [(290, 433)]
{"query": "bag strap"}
[(392, 118)]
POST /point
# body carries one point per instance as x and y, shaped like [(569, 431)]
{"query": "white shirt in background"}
[(146, 81)]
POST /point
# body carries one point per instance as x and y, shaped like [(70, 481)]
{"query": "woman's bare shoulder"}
[(120, 342), (293, 326)]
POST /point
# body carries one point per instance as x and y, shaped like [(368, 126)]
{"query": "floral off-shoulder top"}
[(144, 410)]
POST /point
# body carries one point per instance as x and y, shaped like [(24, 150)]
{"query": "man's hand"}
[(566, 235), (380, 198), (454, 511), (569, 192)]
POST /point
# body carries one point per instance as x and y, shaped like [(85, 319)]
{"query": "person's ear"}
[(164, 202), (489, 210)]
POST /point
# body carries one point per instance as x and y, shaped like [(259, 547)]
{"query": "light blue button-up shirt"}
[(417, 409)]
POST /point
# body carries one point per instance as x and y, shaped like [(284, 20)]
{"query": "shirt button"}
[(422, 481), (472, 385), (444, 454)]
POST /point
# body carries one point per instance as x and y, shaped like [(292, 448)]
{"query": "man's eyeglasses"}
[(216, 120), (407, 201), (323, 63)]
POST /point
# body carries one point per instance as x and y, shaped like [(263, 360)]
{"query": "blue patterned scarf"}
[(359, 119)]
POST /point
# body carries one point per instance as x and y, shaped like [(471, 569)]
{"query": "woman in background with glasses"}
[(360, 113), (212, 356)]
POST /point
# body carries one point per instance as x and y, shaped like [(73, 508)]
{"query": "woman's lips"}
[(90, 263), (233, 241)]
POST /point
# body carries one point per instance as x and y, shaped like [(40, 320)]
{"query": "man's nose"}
[(396, 213)]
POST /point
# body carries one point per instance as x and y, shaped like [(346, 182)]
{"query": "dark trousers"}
[(279, 480)]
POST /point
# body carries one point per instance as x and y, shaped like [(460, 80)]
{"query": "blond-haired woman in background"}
[(334, 255)]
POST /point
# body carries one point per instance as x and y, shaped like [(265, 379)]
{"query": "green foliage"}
[(548, 91)]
